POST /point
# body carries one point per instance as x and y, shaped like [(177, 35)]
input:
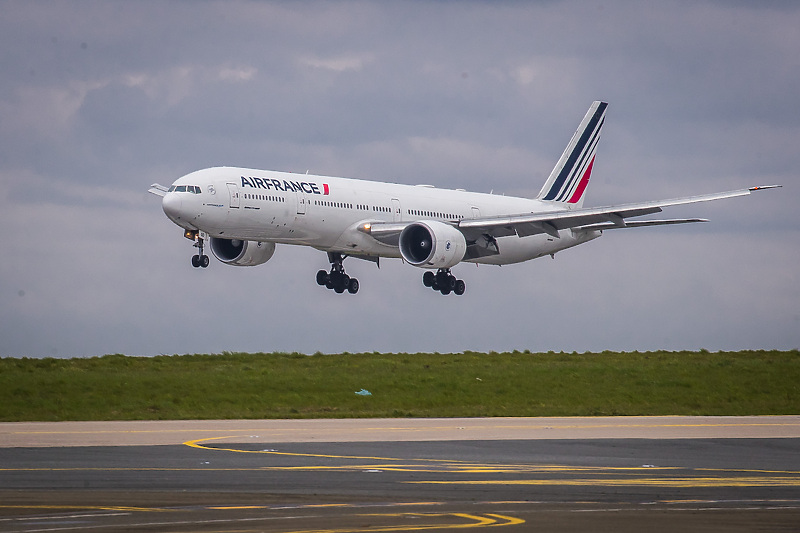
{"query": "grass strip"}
[(470, 384)]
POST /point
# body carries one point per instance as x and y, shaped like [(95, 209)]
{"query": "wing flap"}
[(639, 224)]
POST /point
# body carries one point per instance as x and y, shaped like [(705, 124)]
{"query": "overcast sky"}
[(100, 99)]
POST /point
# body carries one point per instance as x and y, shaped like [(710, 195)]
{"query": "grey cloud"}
[(98, 100)]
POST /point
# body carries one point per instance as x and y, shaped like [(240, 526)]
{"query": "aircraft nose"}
[(171, 204)]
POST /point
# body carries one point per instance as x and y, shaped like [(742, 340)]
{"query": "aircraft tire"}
[(196, 261), (333, 280), (445, 290), (428, 278), (204, 261), (460, 287), (352, 286), (322, 277)]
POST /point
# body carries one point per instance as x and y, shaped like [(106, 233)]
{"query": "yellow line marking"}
[(474, 521), (85, 508), (686, 482), (236, 507), (487, 520), (197, 444), (510, 520), (325, 505), (414, 504)]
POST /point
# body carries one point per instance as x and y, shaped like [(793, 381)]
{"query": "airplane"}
[(243, 213)]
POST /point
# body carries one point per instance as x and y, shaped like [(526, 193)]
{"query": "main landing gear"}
[(200, 259), (337, 279), (444, 282)]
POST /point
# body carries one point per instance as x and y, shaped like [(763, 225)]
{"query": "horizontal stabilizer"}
[(158, 190)]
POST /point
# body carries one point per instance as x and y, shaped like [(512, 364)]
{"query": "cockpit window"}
[(194, 189)]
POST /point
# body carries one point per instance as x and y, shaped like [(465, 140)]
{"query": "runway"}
[(566, 474)]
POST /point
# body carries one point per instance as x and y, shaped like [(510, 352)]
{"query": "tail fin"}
[(568, 180)]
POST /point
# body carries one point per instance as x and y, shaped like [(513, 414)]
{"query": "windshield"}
[(194, 189)]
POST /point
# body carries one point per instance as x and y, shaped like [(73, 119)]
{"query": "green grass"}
[(279, 385)]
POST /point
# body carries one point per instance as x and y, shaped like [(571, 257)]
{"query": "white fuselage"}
[(325, 212)]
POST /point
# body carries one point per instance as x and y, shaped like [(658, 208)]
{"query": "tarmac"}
[(523, 474)]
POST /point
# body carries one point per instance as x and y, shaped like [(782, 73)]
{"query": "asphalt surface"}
[(225, 482)]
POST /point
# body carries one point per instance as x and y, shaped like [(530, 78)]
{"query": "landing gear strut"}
[(337, 279), (200, 259), (444, 282)]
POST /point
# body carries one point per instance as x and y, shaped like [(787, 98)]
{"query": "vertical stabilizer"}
[(568, 180)]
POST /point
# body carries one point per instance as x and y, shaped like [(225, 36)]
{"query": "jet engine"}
[(241, 253), (432, 244)]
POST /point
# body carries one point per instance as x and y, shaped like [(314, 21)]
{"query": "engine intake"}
[(432, 244), (241, 253)]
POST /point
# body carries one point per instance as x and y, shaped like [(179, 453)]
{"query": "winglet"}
[(568, 180)]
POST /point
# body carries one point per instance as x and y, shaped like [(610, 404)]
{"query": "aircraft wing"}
[(588, 218), (480, 232)]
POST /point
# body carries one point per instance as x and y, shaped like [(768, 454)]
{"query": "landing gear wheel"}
[(200, 259), (337, 279), (342, 284), (352, 287), (460, 287), (443, 281)]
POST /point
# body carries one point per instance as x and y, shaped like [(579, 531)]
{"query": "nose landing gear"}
[(337, 279), (200, 259), (444, 282)]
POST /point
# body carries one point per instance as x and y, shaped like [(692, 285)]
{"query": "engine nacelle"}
[(432, 244), (241, 253)]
